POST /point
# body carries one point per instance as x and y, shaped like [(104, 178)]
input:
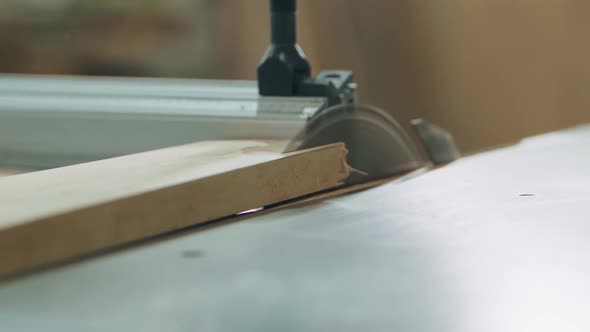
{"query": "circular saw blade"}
[(378, 146)]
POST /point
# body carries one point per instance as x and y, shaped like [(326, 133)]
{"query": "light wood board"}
[(55, 215)]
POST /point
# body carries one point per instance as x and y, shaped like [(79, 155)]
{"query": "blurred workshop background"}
[(490, 71)]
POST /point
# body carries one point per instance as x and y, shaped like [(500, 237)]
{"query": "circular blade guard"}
[(378, 146)]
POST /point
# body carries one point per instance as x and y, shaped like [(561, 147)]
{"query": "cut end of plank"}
[(336, 151), (62, 214)]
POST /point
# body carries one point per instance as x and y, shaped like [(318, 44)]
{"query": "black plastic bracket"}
[(284, 69)]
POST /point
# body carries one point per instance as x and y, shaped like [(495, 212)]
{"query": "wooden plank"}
[(55, 215)]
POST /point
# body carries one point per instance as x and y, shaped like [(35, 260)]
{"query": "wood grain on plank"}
[(55, 215)]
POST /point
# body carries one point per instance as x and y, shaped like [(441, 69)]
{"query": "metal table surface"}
[(498, 241)]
